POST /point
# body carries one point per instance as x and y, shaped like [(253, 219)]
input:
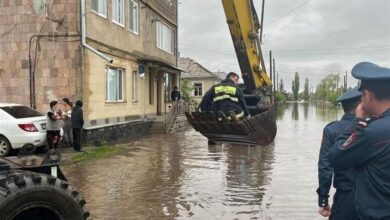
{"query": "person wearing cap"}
[(342, 207), (366, 146), (227, 98)]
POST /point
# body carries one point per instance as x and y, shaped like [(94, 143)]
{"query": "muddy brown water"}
[(178, 176)]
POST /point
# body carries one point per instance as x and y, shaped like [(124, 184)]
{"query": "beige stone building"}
[(200, 77), (118, 56)]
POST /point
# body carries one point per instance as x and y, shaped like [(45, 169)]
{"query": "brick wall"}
[(57, 58)]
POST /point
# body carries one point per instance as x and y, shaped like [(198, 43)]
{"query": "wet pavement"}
[(179, 176)]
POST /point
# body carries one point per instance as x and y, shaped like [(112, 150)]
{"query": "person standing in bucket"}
[(77, 124), (366, 147), (342, 207)]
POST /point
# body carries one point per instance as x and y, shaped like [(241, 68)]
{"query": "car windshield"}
[(21, 111)]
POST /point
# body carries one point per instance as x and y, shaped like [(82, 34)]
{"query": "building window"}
[(133, 17), (99, 6), (118, 15), (114, 84), (165, 37), (198, 89), (134, 86)]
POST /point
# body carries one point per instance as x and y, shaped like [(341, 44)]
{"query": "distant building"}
[(122, 66), (201, 78)]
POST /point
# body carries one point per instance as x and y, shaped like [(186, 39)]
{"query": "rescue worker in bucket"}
[(226, 98), (366, 146), (342, 207)]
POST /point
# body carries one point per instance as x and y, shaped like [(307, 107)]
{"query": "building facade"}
[(199, 77), (118, 56)]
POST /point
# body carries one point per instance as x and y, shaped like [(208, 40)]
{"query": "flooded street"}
[(178, 176)]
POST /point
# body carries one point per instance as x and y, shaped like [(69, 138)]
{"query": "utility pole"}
[(337, 84), (277, 81), (273, 72), (270, 64)]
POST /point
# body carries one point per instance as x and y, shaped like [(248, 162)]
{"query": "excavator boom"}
[(244, 29)]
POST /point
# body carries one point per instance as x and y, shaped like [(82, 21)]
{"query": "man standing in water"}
[(342, 207), (366, 147)]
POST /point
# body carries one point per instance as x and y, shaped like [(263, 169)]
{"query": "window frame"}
[(201, 83), (121, 90), (134, 86), (173, 40), (131, 21), (98, 13), (113, 11)]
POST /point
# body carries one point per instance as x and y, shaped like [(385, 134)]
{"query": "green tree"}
[(186, 89), (306, 94), (281, 85), (327, 89), (295, 86)]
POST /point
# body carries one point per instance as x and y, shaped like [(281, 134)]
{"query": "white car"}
[(20, 125)]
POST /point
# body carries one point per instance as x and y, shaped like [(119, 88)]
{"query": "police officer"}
[(227, 98), (366, 146), (342, 207)]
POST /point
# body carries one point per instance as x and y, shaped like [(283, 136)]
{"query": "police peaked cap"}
[(351, 94), (366, 71)]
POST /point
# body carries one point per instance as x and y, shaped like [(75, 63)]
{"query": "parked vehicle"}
[(20, 126)]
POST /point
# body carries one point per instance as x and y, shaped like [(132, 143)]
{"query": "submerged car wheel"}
[(5, 146), (27, 195)]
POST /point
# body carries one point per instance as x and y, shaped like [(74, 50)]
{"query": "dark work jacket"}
[(207, 103), (77, 117), (343, 179), (367, 148), (227, 105), (175, 95)]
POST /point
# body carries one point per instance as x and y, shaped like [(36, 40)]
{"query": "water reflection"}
[(295, 113), (180, 176), (306, 110)]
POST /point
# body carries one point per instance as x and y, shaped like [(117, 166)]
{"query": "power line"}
[(288, 12)]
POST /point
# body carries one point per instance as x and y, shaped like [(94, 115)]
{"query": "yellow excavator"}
[(260, 129)]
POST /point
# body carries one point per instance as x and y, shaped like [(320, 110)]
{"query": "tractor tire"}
[(5, 146), (31, 196)]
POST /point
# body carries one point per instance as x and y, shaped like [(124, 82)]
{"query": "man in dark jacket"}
[(366, 147), (77, 124), (227, 98), (175, 94), (342, 207)]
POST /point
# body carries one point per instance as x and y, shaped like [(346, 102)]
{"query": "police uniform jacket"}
[(366, 147), (228, 97), (343, 179)]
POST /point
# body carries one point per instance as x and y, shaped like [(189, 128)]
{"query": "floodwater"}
[(178, 176)]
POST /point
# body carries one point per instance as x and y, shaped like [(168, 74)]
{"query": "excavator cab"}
[(260, 129)]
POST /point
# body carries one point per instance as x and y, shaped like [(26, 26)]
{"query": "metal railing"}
[(178, 108)]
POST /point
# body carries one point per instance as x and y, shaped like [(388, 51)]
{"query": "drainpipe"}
[(83, 35)]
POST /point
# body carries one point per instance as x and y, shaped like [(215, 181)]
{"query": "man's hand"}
[(360, 113), (324, 211)]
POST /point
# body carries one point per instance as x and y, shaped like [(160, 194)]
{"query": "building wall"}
[(142, 45), (57, 59), (94, 92), (207, 84), (127, 50)]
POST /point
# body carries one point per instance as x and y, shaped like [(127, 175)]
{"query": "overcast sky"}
[(311, 37)]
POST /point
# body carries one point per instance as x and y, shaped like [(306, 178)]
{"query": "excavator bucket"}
[(259, 129)]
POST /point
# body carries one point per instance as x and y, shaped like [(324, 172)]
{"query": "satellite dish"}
[(40, 7)]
